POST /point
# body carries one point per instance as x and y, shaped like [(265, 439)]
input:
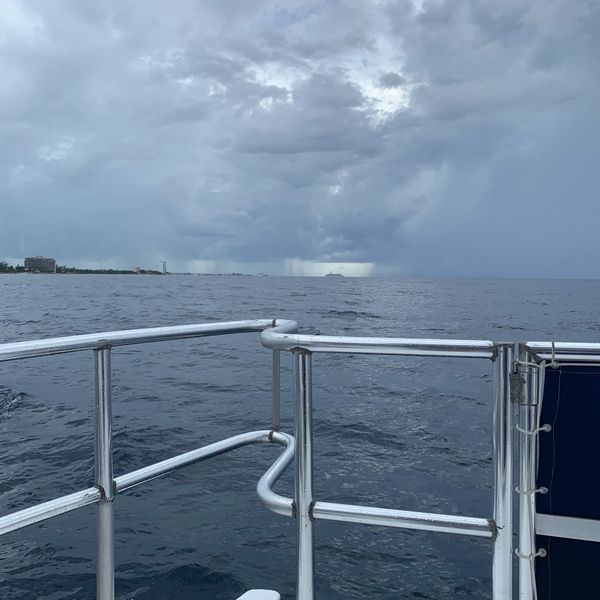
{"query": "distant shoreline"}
[(22, 271), (83, 272)]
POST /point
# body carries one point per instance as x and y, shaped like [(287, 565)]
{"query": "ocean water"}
[(410, 433)]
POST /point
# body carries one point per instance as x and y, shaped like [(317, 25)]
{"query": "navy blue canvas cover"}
[(569, 466)]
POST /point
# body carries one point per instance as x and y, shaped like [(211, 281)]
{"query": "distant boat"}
[(333, 275)]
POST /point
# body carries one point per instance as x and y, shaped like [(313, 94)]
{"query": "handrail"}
[(109, 339), (103, 493), (367, 515), (130, 480), (405, 519), (563, 351), (280, 335), (307, 509), (279, 340), (52, 508), (274, 502), (47, 510)]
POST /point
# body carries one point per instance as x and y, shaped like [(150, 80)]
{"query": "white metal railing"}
[(306, 509), (106, 487), (515, 381)]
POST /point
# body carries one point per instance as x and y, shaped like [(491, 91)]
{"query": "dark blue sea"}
[(409, 433)]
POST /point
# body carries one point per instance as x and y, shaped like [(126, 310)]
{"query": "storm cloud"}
[(453, 138)]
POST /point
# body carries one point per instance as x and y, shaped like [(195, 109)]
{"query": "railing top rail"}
[(277, 340), (92, 341), (564, 351)]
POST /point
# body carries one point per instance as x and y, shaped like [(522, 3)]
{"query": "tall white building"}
[(40, 264)]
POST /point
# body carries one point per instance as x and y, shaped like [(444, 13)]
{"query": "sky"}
[(426, 138)]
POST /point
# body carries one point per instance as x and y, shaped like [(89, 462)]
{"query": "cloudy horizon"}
[(414, 138)]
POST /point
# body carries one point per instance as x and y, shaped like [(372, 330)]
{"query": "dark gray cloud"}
[(429, 138)]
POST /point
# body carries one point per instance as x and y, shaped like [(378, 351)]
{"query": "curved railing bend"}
[(123, 483)]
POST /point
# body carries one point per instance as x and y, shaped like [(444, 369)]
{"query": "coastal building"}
[(40, 264)]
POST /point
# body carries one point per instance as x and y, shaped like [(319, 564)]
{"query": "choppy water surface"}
[(407, 433)]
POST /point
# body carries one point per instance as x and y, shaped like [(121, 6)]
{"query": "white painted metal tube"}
[(404, 519), (304, 475), (264, 489), (276, 340), (105, 559), (503, 429), (92, 341)]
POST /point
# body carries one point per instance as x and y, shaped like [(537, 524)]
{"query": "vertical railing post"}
[(503, 478), (527, 422), (105, 562), (276, 390), (304, 474)]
